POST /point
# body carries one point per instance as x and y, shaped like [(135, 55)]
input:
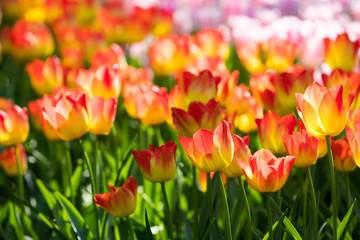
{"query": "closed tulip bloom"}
[(241, 151), (212, 43), (322, 110), (271, 127), (114, 55), (303, 146), (266, 173), (210, 151), (102, 114), (103, 82), (245, 122), (199, 116), (343, 158), (14, 126), (45, 75), (353, 137), (341, 52), (119, 202), (69, 117), (157, 165), (8, 160)]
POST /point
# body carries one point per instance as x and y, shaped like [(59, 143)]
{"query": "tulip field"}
[(161, 119)]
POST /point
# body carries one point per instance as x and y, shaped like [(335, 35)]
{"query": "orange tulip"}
[(343, 158), (143, 100), (245, 122), (354, 116), (201, 87), (8, 160), (170, 54), (212, 43), (271, 127), (353, 137), (210, 151), (157, 165), (119, 202), (241, 151), (114, 55), (341, 52), (44, 76), (322, 110), (69, 116), (14, 126), (102, 114), (266, 173), (199, 116), (303, 146), (103, 82), (163, 22)]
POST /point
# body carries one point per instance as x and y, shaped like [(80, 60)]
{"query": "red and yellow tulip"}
[(14, 125), (343, 158), (102, 114), (8, 160)]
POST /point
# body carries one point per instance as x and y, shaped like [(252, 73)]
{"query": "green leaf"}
[(288, 225), (77, 221), (345, 222), (274, 226), (15, 221), (149, 235), (48, 196), (75, 180), (207, 231)]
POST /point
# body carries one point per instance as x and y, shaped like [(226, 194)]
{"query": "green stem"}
[(195, 205), (247, 208), (268, 207), (131, 232), (209, 193), (168, 218), (69, 170), (313, 204), (103, 224), (225, 206), (333, 187), (158, 136), (348, 195), (305, 208), (19, 176), (93, 187), (141, 135)]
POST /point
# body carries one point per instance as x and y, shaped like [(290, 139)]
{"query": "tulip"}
[(102, 114), (119, 202), (245, 122), (266, 173), (199, 116), (210, 151), (322, 110), (354, 142), (241, 151), (8, 160), (44, 76), (212, 43), (157, 165), (170, 54), (103, 82), (354, 116), (271, 127), (69, 116), (163, 22), (14, 126), (114, 55), (341, 52), (303, 146), (201, 87), (343, 158)]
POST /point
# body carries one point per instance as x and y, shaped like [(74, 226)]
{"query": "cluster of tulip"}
[(243, 111)]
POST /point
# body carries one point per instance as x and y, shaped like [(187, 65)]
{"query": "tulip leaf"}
[(48, 196), (345, 222), (287, 223), (207, 231), (77, 221), (75, 181), (149, 235), (276, 224), (15, 222)]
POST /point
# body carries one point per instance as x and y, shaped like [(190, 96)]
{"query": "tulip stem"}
[(19, 176), (348, 195), (209, 193), (168, 218), (268, 207), (247, 208), (131, 232), (69, 170), (333, 187), (195, 205), (305, 208), (93, 187), (225, 206), (313, 204)]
